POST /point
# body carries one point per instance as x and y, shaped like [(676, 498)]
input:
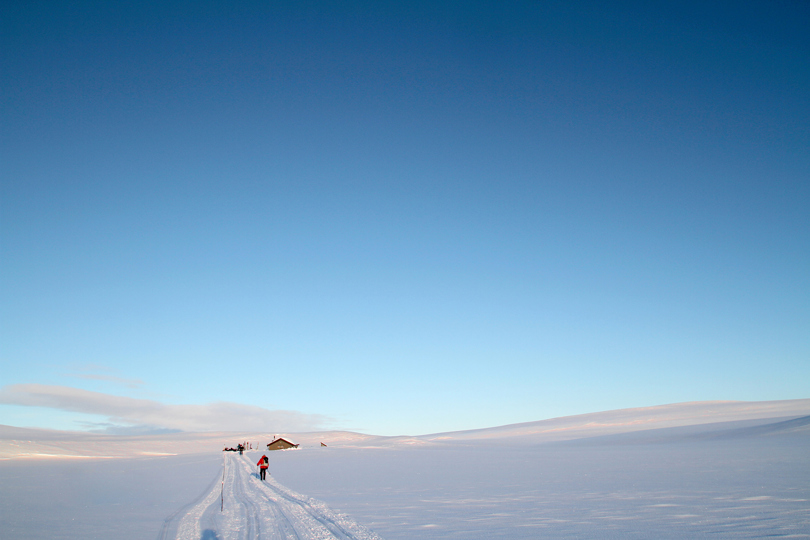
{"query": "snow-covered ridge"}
[(636, 419), (22, 443)]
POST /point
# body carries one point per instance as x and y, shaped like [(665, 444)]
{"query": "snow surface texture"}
[(711, 470), (719, 481), (244, 507)]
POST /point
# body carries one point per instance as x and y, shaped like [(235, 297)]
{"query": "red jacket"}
[(263, 462)]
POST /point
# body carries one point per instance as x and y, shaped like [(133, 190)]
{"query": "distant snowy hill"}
[(22, 443), (637, 419)]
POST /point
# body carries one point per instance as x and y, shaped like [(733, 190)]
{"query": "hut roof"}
[(282, 439)]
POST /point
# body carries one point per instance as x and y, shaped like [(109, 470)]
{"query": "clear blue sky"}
[(397, 217)]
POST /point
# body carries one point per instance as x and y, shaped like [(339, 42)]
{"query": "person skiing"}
[(263, 464)]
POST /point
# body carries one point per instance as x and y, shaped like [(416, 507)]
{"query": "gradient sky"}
[(399, 217)]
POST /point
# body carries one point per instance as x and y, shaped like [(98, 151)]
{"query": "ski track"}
[(256, 510)]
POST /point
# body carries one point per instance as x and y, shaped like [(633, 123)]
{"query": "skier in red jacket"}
[(263, 464)]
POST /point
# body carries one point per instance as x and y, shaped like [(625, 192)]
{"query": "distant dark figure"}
[(263, 464), (241, 448)]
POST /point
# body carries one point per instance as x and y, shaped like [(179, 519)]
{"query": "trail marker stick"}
[(222, 490)]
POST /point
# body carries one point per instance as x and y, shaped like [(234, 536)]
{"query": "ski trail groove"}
[(186, 515), (256, 510), (248, 510)]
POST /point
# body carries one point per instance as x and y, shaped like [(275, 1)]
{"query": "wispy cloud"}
[(129, 383), (95, 372), (218, 416), (114, 429)]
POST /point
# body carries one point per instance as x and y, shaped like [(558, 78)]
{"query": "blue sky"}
[(399, 217)]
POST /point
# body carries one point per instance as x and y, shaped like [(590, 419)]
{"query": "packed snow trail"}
[(239, 506)]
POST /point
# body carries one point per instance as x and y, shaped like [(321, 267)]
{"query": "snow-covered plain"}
[(258, 509), (699, 470)]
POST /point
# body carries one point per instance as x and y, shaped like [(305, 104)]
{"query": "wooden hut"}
[(281, 444)]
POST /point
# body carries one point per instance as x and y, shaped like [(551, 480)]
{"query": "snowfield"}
[(244, 507), (708, 470)]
